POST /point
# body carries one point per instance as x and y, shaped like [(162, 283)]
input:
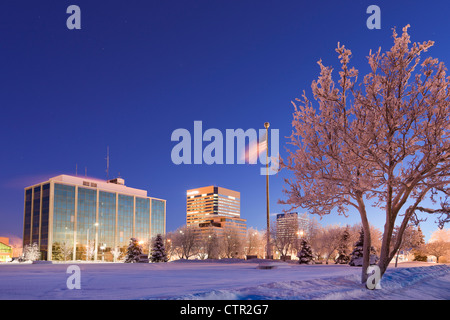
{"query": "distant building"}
[(287, 222), (213, 209), (84, 215), (6, 251)]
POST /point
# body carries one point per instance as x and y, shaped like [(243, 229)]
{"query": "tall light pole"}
[(268, 251)]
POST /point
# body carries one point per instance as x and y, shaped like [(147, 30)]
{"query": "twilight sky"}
[(138, 70)]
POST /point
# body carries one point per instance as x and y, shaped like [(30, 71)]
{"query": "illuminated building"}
[(213, 209), (6, 252), (292, 225), (85, 214)]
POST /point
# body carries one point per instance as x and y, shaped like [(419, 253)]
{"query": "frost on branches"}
[(383, 139), (134, 251), (305, 255), (159, 250), (31, 252)]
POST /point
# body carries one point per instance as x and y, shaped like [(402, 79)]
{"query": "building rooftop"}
[(212, 189), (113, 185)]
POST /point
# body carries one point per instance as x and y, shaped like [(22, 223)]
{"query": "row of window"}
[(64, 216)]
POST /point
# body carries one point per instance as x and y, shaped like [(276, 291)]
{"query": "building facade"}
[(291, 224), (77, 218), (214, 209), (6, 251)]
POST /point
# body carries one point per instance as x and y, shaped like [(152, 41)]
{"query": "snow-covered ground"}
[(220, 280)]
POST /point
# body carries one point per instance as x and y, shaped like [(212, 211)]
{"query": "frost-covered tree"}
[(254, 244), (31, 252), (134, 251), (327, 242), (158, 250), (356, 256), (185, 242), (342, 249), (383, 140), (437, 249), (90, 250), (440, 235), (170, 248), (412, 239), (117, 254), (210, 245), (65, 250), (305, 254), (232, 243)]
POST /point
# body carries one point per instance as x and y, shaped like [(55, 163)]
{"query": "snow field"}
[(227, 280)]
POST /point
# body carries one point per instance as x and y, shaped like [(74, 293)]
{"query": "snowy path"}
[(200, 280)]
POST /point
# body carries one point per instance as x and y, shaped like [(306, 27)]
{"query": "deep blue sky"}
[(138, 70)]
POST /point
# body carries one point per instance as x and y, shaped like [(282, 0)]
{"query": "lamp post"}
[(268, 251)]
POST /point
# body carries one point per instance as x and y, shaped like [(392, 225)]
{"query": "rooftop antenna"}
[(107, 163), (85, 172)]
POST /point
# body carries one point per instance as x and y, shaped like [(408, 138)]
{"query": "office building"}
[(78, 218), (290, 224), (213, 209), (6, 251)]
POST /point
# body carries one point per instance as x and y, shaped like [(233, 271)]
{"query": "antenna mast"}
[(107, 162)]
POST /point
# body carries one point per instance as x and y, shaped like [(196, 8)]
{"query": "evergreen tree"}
[(343, 256), (419, 255), (134, 250), (356, 257), (305, 255), (159, 250)]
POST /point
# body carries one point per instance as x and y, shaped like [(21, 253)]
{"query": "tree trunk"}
[(384, 254), (367, 239), (396, 258), (366, 251)]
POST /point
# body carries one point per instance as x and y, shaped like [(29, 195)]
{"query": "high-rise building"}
[(213, 209), (78, 218), (290, 224)]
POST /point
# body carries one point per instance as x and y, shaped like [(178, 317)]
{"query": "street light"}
[(266, 125)]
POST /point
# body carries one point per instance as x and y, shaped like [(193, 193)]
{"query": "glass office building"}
[(76, 218), (214, 209)]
